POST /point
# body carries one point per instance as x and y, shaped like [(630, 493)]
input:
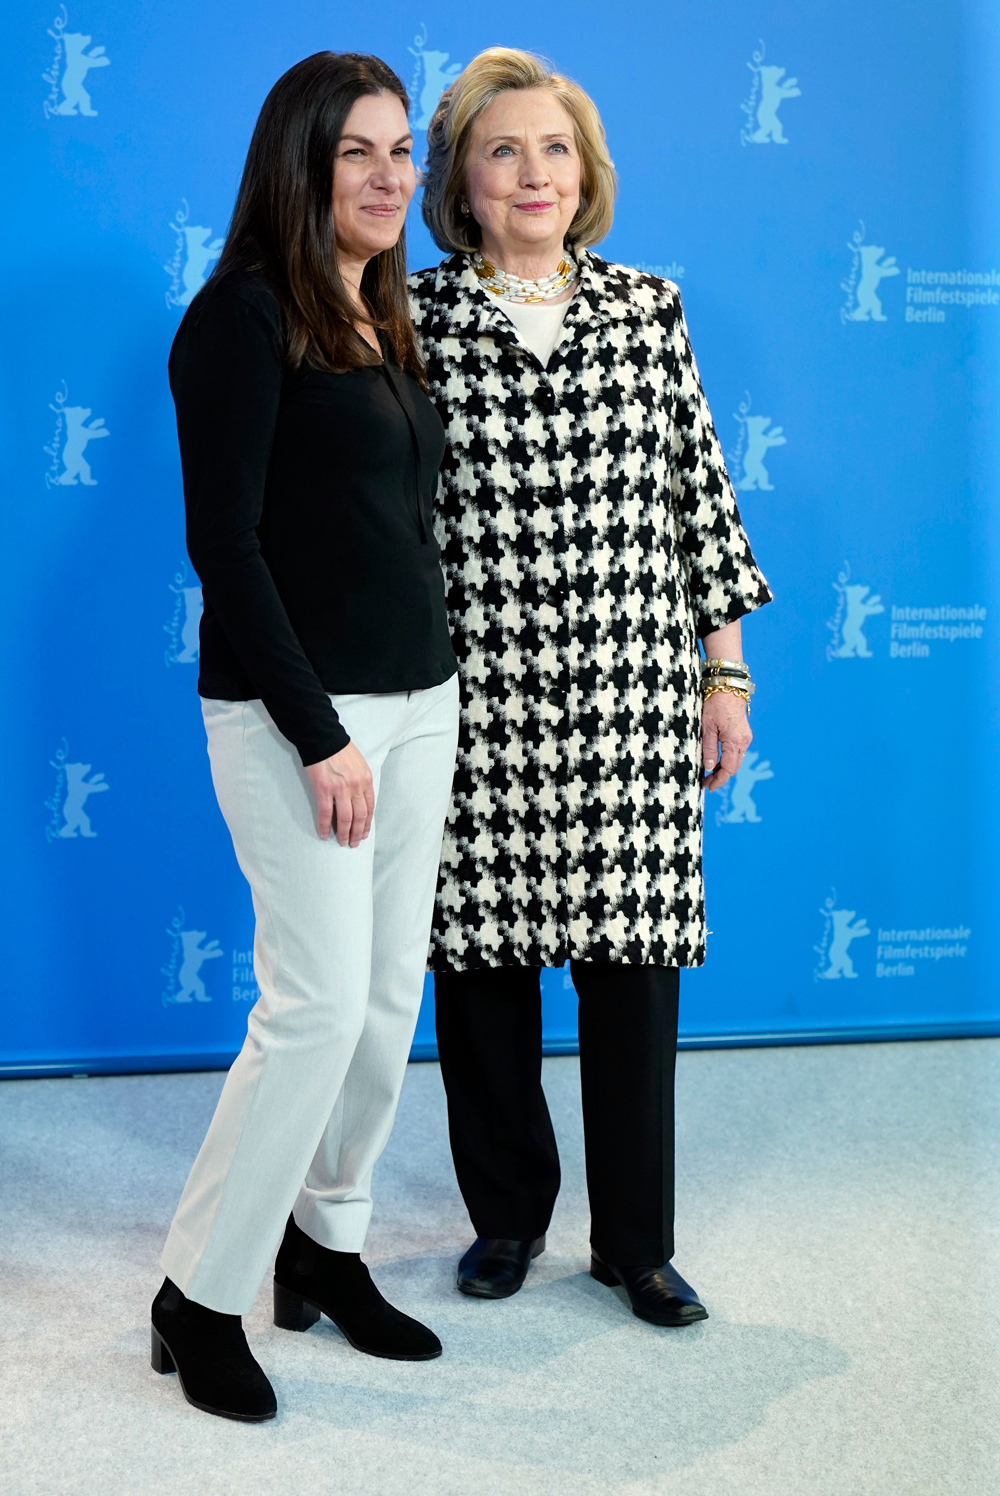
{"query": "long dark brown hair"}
[(283, 224)]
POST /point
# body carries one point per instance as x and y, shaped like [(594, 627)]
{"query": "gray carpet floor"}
[(838, 1208)]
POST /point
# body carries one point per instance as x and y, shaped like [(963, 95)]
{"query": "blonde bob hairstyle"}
[(492, 73)]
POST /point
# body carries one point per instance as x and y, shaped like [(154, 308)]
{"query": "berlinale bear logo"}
[(430, 79), (69, 67), (78, 788), (184, 626), (769, 90), (189, 983), (868, 271), (68, 818), (193, 608), (757, 437), (738, 807), (187, 956), (854, 608), (195, 252), (72, 434), (840, 928)]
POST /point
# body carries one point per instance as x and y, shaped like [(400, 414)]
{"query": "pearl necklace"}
[(513, 288)]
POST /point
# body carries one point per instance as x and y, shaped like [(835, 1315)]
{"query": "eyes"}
[(554, 148), (399, 152)]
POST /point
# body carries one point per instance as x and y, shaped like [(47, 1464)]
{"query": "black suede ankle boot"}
[(210, 1355), (309, 1279)]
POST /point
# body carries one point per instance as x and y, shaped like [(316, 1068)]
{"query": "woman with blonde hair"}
[(590, 539)]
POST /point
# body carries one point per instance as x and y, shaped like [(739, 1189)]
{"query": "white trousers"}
[(339, 955)]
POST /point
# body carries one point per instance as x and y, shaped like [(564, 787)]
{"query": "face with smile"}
[(373, 181), (523, 180)]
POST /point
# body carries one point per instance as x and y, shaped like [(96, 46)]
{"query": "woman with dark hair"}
[(310, 455)]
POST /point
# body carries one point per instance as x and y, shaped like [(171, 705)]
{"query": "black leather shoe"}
[(310, 1280), (210, 1355), (495, 1267), (658, 1294)]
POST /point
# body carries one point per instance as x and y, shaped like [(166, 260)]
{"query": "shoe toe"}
[(482, 1284), (258, 1400), (495, 1268), (409, 1340), (257, 1404), (659, 1308), (232, 1390), (686, 1313), (426, 1344)]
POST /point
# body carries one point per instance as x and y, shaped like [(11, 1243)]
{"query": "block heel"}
[(292, 1311), (602, 1273), (160, 1358)]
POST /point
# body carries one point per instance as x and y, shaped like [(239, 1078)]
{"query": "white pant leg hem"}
[(339, 1228)]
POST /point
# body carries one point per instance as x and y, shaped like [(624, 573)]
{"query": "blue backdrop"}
[(820, 180)]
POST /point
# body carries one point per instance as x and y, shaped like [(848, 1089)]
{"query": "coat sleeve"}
[(226, 375), (724, 581)]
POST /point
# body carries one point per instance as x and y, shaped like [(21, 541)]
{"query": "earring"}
[(465, 208)]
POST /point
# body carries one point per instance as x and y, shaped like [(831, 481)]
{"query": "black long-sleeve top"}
[(309, 519)]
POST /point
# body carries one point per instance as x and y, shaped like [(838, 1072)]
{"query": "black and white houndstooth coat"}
[(589, 536)]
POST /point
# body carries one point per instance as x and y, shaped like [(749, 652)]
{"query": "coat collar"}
[(463, 308)]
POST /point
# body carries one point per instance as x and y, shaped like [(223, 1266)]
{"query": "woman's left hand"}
[(725, 737)]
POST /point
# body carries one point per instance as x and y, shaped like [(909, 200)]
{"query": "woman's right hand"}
[(345, 796)]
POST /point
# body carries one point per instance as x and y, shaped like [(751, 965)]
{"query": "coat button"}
[(543, 399), (556, 697)]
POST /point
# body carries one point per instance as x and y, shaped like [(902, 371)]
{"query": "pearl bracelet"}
[(731, 682)]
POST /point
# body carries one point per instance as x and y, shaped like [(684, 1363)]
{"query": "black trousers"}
[(489, 1031)]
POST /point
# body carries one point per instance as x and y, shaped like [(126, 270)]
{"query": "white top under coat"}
[(538, 324)]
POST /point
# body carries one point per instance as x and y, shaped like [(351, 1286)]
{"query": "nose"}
[(385, 175), (534, 168)]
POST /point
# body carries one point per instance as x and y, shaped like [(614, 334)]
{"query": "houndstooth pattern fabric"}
[(589, 536)]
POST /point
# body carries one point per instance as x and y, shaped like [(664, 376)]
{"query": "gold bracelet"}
[(714, 689)]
